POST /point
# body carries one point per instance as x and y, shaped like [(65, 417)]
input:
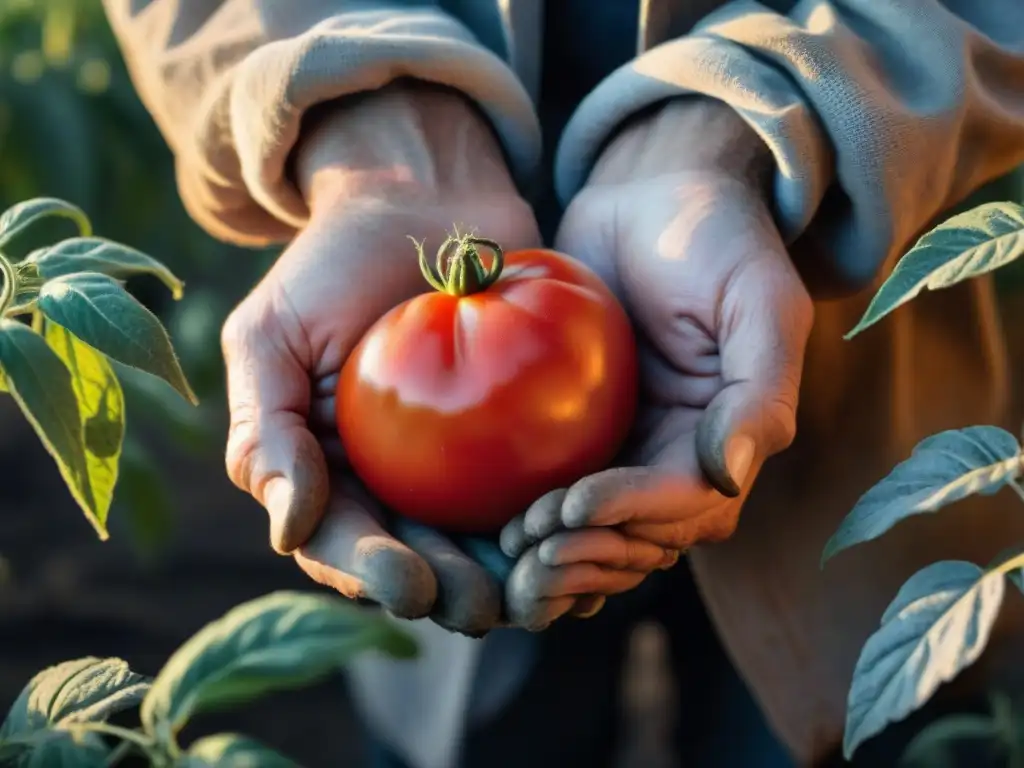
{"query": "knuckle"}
[(633, 555), (678, 535), (234, 330), (242, 449)]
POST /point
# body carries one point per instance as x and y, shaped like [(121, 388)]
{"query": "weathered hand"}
[(370, 183), (674, 219)]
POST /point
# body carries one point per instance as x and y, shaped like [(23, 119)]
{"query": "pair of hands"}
[(673, 219)]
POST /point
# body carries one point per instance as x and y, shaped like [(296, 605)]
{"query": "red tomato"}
[(462, 406)]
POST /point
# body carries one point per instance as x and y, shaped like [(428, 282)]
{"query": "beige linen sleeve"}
[(880, 113), (228, 82)]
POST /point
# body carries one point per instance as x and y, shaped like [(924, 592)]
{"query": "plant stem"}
[(137, 738), (120, 752), (9, 288), (1017, 489), (459, 270)]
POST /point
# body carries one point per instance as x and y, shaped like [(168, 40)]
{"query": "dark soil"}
[(69, 595)]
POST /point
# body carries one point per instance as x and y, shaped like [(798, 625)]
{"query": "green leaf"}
[(229, 750), (966, 245), (94, 254), (943, 468), (101, 408), (279, 641), (83, 690), (3, 381), (41, 385), (50, 747), (933, 747), (98, 310), (39, 730), (20, 217), (937, 626)]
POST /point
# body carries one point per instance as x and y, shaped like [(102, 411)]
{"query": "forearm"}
[(689, 134), (230, 82), (407, 144)]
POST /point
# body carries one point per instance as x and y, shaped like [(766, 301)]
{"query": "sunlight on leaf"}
[(40, 728), (967, 245), (94, 254), (937, 626), (943, 468), (41, 385), (101, 406), (99, 311), (229, 750), (20, 217), (83, 690), (280, 641)]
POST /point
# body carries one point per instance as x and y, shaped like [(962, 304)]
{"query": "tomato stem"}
[(458, 269)]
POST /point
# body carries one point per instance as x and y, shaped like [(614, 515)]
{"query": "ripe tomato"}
[(462, 406)]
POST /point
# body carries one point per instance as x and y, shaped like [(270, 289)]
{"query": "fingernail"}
[(670, 559), (277, 499), (589, 606), (547, 553), (739, 455)]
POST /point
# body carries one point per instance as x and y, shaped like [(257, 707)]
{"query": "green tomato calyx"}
[(458, 269)]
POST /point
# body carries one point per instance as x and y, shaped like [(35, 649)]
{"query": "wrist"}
[(690, 135), (408, 144)]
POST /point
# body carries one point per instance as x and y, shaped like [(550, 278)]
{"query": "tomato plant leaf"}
[(279, 641), (937, 626), (83, 690), (101, 408), (41, 385), (49, 747), (942, 469), (94, 254), (20, 217), (934, 746), (229, 750), (966, 245), (98, 310)]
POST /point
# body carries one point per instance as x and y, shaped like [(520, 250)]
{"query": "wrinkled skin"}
[(398, 162), (674, 219)]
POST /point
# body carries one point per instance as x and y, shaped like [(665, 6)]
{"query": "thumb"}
[(271, 454), (765, 323)]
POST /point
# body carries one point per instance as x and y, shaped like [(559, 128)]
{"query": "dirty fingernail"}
[(670, 559), (739, 455), (588, 606)]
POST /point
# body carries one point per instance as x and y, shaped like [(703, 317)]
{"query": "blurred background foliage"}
[(71, 126)]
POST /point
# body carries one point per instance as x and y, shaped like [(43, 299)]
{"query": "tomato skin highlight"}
[(460, 411)]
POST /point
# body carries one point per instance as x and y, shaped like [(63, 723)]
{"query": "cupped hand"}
[(675, 219), (393, 165)]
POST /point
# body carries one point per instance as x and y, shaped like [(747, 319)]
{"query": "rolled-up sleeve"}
[(228, 81), (894, 110)]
